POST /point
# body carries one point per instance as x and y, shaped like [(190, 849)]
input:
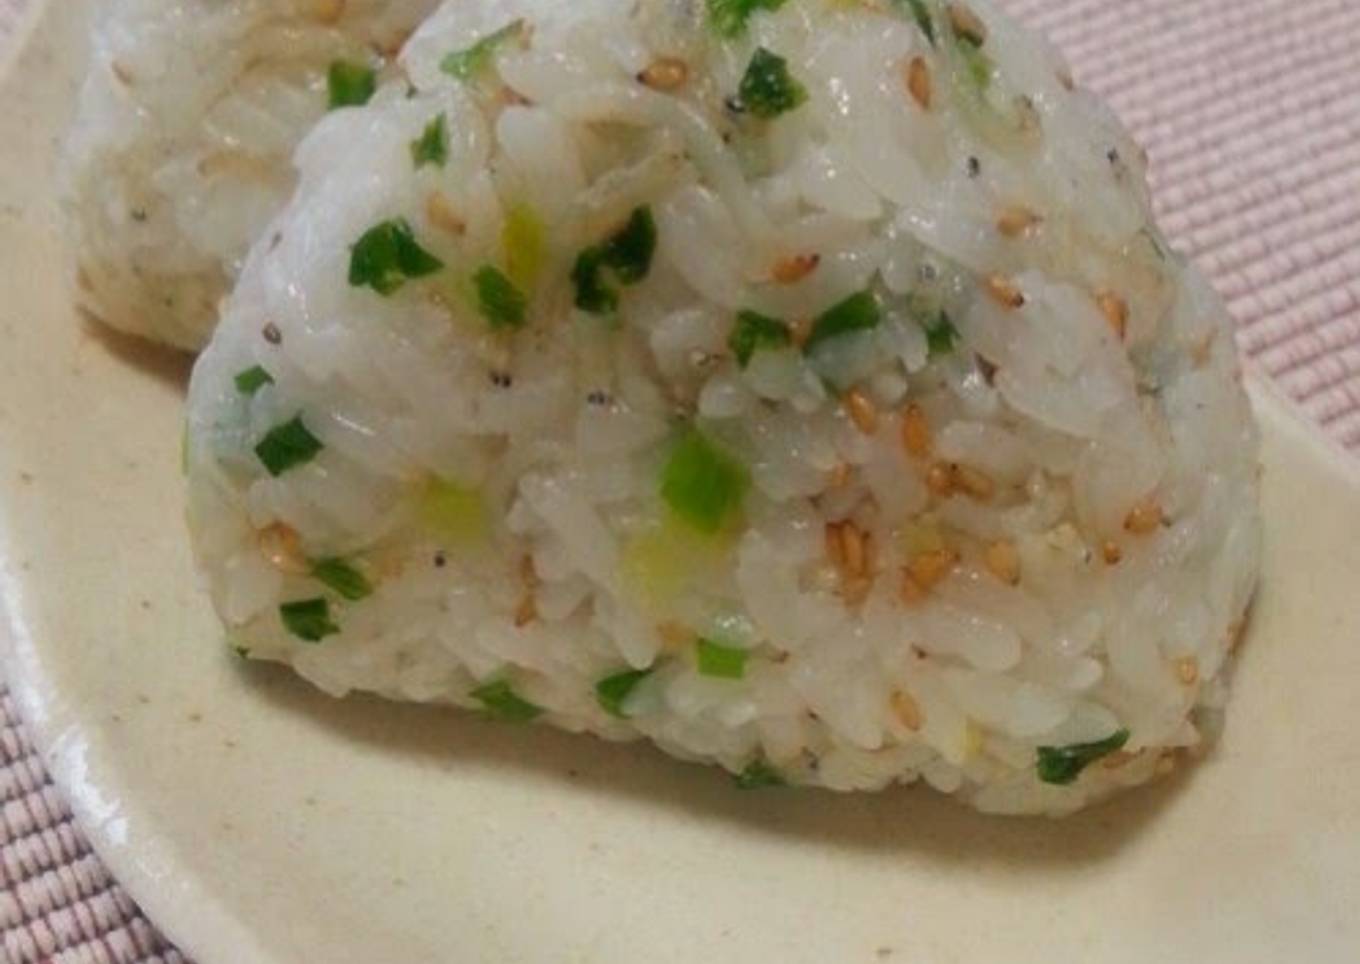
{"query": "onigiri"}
[(801, 386), (181, 151)]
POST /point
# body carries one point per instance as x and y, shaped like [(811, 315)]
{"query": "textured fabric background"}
[(1250, 110)]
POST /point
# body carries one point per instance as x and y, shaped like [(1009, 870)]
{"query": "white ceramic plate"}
[(261, 823)]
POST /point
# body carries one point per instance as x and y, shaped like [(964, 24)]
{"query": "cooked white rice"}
[(1003, 529), (181, 150)]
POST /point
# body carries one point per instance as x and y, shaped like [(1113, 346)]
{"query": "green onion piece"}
[(500, 302), (859, 312), (286, 446), (630, 251), (500, 701), (592, 293), (767, 88), (754, 331), (978, 63), (468, 63), (723, 662), (941, 335), (921, 14), (628, 254), (455, 512), (728, 17), (702, 484), (1062, 765), (524, 244), (242, 652), (339, 575), (612, 691), (387, 255), (252, 380), (349, 84), (432, 146), (759, 775), (308, 619)]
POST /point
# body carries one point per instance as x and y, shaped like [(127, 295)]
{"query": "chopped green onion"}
[(629, 254), (350, 85), (308, 619), (500, 302), (592, 293), (978, 63), (500, 701), (455, 512), (432, 146), (759, 775), (524, 243), (339, 575), (728, 17), (242, 652), (287, 445), (859, 312), (387, 255), (767, 88), (921, 14), (702, 484), (941, 335), (754, 331), (723, 662), (613, 691), (1062, 765), (252, 380), (468, 63)]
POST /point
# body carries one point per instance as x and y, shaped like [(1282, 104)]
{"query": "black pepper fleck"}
[(139, 215), (598, 397), (734, 104), (440, 560), (501, 379), (974, 167), (272, 334)]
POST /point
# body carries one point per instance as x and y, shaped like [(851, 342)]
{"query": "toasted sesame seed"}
[(1116, 311), (862, 411), (439, 209), (940, 479), (665, 73), (1003, 561), (1203, 350), (1065, 78), (1111, 552), (526, 612), (915, 431), (916, 76), (1187, 670), (800, 330), (909, 590), (907, 710), (928, 568), (1005, 291), (1015, 219), (1144, 517), (974, 482), (967, 24), (855, 588), (281, 545), (123, 73), (1236, 631), (854, 552), (840, 475), (326, 11), (527, 574), (794, 268), (1166, 763), (835, 550)]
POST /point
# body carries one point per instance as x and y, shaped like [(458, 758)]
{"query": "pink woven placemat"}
[(1251, 112)]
